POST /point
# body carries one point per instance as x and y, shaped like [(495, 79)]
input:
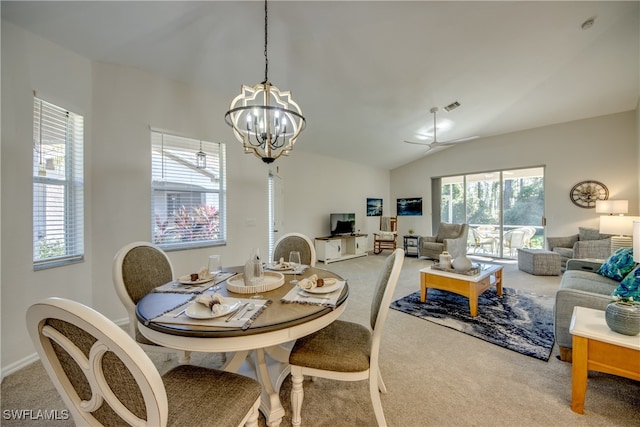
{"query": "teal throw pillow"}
[(618, 265), (630, 285)]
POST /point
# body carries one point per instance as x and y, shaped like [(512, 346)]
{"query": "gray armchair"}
[(588, 243), (450, 237)]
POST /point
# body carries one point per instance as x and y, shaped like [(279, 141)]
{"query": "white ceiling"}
[(367, 73)]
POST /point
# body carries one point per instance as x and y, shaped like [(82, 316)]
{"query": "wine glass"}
[(215, 268), (294, 262)]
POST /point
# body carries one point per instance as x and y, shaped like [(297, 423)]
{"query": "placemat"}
[(297, 295), (178, 317), (178, 288)]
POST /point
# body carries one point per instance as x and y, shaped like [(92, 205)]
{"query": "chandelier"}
[(264, 119)]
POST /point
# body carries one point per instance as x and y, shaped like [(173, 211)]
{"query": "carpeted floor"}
[(435, 376), (518, 320)]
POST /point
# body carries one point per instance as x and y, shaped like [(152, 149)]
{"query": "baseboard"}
[(26, 361), (20, 364)]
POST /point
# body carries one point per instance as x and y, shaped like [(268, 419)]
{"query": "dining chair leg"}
[(184, 357), (377, 403), (297, 394), (381, 386)]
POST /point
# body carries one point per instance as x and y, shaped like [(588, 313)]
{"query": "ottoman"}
[(539, 262)]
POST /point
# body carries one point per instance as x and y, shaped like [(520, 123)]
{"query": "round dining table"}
[(261, 349)]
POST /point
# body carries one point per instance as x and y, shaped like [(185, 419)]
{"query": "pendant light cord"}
[(266, 59)]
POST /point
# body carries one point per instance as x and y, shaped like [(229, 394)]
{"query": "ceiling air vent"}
[(452, 106)]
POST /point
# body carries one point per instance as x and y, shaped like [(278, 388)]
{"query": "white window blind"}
[(58, 186), (187, 200)]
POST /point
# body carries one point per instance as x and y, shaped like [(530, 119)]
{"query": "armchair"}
[(450, 237), (588, 243)]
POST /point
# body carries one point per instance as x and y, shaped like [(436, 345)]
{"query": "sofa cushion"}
[(588, 281), (618, 265), (564, 252), (386, 235), (630, 285), (588, 233), (448, 231)]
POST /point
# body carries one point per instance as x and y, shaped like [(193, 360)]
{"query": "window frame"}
[(72, 183), (166, 187)]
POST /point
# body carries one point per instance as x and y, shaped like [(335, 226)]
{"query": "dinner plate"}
[(323, 289), (279, 267), (186, 280), (200, 311)]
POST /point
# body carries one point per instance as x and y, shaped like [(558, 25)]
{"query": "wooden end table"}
[(598, 348), (461, 284)]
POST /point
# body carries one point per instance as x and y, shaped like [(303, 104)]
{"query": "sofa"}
[(450, 237), (582, 286), (588, 243)]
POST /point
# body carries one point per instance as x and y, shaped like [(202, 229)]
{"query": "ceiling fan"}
[(435, 143)]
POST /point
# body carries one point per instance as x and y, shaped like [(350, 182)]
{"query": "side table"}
[(598, 348), (410, 243)]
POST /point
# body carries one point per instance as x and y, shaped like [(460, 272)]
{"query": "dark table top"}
[(276, 316)]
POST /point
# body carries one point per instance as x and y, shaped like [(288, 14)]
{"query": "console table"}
[(338, 248), (598, 348)]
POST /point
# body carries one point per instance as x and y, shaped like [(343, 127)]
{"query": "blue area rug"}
[(519, 320)]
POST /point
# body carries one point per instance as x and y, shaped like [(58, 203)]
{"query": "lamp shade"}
[(617, 225), (636, 241), (612, 206)]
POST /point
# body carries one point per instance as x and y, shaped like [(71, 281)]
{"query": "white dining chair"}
[(295, 242), (347, 351), (138, 268), (105, 378)]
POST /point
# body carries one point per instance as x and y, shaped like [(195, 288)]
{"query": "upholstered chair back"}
[(295, 242)]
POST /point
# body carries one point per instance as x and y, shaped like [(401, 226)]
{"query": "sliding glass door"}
[(504, 209)]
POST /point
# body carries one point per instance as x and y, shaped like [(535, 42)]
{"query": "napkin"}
[(214, 302), (175, 287), (202, 274), (313, 282), (298, 295)]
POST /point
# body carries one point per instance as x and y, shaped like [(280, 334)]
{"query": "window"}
[(58, 188), (187, 197), (499, 205)]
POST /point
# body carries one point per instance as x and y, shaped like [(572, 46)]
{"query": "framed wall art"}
[(374, 207), (410, 207)]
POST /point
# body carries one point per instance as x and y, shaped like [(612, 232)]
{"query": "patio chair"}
[(482, 241)]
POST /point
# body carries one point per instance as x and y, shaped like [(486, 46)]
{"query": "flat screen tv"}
[(343, 223)]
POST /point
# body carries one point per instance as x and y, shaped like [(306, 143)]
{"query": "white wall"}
[(602, 148), (119, 105), (61, 77)]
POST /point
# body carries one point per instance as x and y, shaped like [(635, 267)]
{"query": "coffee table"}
[(598, 348), (462, 284)]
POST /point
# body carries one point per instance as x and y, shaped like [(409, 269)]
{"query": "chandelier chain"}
[(266, 58)]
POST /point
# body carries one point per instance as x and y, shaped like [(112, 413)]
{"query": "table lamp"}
[(621, 228), (611, 207)]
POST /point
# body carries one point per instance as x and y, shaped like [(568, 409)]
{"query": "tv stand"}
[(339, 248)]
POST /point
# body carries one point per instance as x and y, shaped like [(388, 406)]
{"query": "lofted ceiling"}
[(366, 73)]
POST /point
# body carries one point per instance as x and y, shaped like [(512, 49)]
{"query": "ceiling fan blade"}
[(456, 141), (427, 144)]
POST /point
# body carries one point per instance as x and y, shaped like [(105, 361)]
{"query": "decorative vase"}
[(461, 263), (253, 272), (623, 318), (445, 260)]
